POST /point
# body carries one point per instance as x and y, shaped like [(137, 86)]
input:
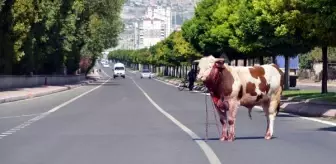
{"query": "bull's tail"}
[(278, 109), (249, 113)]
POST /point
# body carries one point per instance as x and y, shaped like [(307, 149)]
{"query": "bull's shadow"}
[(237, 138), (330, 129)]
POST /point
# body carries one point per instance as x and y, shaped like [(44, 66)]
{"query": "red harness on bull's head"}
[(213, 81)]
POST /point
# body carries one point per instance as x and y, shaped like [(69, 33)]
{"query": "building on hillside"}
[(153, 27), (126, 38)]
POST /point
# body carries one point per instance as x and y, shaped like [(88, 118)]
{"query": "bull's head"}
[(205, 66)]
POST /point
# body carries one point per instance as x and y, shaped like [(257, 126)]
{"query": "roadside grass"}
[(310, 94)]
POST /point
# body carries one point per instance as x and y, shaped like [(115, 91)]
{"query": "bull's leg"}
[(222, 108), (270, 126), (223, 120), (270, 113), (232, 120)]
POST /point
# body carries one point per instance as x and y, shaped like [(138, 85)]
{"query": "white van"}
[(119, 70)]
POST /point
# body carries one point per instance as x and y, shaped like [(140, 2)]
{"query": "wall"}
[(316, 73), (8, 82)]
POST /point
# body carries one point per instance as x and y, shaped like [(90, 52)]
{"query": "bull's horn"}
[(196, 61), (220, 59)]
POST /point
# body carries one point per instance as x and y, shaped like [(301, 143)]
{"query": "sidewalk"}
[(315, 84), (303, 108), (309, 109), (28, 93)]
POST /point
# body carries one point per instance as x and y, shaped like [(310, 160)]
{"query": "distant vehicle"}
[(145, 73), (118, 70), (106, 65)]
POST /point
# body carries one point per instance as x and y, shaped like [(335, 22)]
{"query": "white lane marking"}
[(304, 118), (7, 133), (39, 97), (25, 115), (212, 157), (289, 114), (105, 73), (29, 122)]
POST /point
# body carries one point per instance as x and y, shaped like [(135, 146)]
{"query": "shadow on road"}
[(210, 139), (252, 138), (237, 138), (330, 129), (284, 115), (106, 84)]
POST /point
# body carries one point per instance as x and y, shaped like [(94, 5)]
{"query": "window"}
[(119, 68), (145, 71)]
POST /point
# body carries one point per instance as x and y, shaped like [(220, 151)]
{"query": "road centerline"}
[(210, 154)]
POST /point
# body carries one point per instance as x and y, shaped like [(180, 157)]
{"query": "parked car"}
[(145, 73)]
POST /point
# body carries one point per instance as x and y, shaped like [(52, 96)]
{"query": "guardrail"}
[(12, 81)]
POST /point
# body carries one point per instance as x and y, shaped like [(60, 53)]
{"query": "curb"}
[(29, 96), (302, 112), (310, 101)]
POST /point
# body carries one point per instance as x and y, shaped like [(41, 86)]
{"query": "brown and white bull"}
[(231, 87)]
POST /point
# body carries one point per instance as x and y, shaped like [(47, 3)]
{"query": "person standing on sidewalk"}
[(191, 79)]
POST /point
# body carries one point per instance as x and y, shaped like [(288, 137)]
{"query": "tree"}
[(183, 49), (45, 37), (172, 51), (197, 30), (318, 22), (262, 28)]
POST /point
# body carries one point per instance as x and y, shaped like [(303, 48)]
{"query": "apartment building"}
[(153, 27)]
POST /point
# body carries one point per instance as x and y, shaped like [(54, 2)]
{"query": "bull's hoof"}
[(268, 136), (231, 138), (223, 138)]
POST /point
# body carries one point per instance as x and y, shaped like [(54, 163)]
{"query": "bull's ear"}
[(220, 64)]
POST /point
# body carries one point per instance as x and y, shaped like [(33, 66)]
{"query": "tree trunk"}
[(165, 71), (236, 62), (186, 71), (286, 78), (274, 59), (180, 71), (169, 71), (261, 60), (325, 69), (245, 62)]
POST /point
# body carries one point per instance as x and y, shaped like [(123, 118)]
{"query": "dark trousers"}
[(191, 85)]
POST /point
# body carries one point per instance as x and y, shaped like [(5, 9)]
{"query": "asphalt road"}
[(120, 123)]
